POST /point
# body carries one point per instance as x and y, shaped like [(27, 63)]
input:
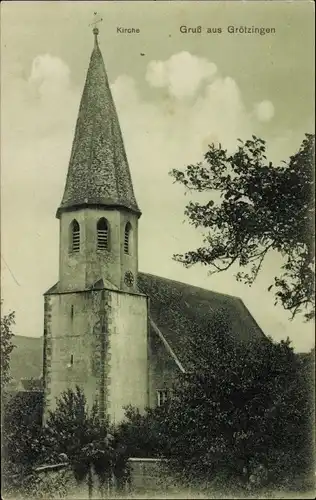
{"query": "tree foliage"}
[(7, 322), (141, 434), (87, 440), (78, 433), (245, 410), (73, 434), (21, 439), (262, 207), (250, 408)]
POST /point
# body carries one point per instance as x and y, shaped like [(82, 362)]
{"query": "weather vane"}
[(96, 19)]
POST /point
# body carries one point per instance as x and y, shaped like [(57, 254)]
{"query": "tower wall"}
[(98, 341), (71, 321), (129, 262), (128, 357), (80, 270)]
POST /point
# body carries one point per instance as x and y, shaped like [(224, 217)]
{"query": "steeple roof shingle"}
[(98, 172)]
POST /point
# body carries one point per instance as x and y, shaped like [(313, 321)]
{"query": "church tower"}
[(95, 320)]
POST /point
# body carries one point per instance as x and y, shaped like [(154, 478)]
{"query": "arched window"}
[(75, 236), (102, 234), (127, 238)]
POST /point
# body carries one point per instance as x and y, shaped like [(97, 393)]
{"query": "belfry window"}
[(102, 234), (75, 237), (127, 238)]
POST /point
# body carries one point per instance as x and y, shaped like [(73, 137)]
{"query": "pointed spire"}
[(98, 172)]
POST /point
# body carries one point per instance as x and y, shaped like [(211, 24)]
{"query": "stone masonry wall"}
[(98, 341), (80, 270), (128, 364)]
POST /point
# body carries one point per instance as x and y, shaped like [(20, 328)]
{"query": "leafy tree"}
[(244, 412), (73, 434), (85, 439), (7, 322), (262, 207), (141, 434), (21, 439), (244, 407)]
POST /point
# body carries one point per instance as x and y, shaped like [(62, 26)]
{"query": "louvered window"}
[(127, 237), (75, 236), (103, 234)]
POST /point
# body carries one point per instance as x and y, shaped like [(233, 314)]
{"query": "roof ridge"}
[(250, 314), (166, 344), (193, 286)]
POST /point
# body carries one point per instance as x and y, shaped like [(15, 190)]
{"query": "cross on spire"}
[(96, 19)]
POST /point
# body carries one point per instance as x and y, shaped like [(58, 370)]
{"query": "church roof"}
[(180, 311), (98, 172)]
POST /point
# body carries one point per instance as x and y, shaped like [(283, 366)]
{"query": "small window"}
[(162, 397), (72, 312), (75, 237), (102, 234), (71, 361), (127, 238)]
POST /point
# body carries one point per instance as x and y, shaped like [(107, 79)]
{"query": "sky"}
[(186, 91)]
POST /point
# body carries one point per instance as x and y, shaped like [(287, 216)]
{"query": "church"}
[(119, 334)]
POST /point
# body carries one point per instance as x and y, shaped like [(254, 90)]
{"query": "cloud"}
[(49, 74), (181, 75), (215, 112), (41, 105), (125, 92), (264, 111)]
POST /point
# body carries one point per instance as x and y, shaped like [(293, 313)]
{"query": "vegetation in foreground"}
[(242, 420)]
